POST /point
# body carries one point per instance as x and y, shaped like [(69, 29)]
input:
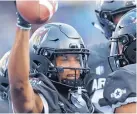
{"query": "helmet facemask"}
[(123, 50), (54, 72), (58, 39)]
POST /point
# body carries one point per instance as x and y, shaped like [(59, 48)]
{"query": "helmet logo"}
[(36, 40), (39, 36)]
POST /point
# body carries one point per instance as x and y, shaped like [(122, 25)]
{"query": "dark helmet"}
[(123, 43), (55, 39), (108, 10)]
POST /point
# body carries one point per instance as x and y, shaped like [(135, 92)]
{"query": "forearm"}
[(18, 68), (128, 108), (18, 71), (23, 97)]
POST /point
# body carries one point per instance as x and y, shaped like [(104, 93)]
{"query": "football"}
[(37, 11)]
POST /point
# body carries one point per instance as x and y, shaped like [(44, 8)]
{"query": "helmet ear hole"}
[(37, 62)]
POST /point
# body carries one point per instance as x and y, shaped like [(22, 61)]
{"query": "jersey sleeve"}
[(46, 90), (45, 104), (120, 87)]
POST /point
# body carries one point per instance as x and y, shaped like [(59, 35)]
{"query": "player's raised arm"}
[(18, 69), (23, 97)]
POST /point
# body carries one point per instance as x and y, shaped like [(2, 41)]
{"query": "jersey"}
[(95, 86), (98, 63), (120, 87), (57, 103)]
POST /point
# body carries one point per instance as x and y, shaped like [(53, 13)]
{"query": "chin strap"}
[(80, 99)]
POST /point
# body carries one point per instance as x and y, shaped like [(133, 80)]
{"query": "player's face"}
[(69, 60)]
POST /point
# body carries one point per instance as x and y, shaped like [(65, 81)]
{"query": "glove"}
[(22, 23)]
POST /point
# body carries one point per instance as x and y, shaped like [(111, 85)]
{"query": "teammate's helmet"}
[(52, 40), (123, 43), (108, 13)]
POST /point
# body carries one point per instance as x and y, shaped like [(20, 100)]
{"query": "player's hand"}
[(21, 22)]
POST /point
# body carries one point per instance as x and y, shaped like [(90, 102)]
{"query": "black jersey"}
[(120, 87), (56, 102), (98, 62)]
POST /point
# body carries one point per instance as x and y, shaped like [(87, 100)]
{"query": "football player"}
[(108, 13), (59, 59), (120, 87), (38, 61)]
